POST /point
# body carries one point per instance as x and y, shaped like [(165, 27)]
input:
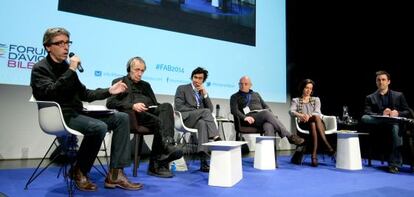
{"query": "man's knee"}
[(122, 117)]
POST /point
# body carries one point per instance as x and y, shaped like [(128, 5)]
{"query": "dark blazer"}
[(185, 101), (397, 102)]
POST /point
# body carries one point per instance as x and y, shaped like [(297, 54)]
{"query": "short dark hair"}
[(383, 72), (200, 70), (303, 84)]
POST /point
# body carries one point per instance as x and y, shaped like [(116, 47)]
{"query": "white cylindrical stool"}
[(225, 163), (264, 156), (348, 153)]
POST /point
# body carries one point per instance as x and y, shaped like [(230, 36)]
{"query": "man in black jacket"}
[(387, 103), (140, 98), (54, 79)]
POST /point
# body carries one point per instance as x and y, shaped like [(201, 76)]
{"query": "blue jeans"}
[(395, 158), (94, 130)]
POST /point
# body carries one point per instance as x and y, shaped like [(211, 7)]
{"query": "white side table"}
[(264, 156), (225, 164), (348, 153)]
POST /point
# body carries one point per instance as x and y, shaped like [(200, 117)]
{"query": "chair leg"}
[(34, 175), (139, 139)]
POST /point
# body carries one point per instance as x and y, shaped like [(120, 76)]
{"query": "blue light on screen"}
[(105, 46)]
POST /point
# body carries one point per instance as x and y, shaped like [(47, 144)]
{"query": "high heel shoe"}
[(332, 154), (314, 161)]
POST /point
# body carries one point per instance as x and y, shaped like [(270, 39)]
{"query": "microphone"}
[(217, 110), (80, 68)]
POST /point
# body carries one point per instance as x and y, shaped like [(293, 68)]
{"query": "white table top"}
[(225, 143)]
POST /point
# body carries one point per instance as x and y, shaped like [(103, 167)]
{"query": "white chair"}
[(185, 131), (329, 121), (51, 122), (330, 127)]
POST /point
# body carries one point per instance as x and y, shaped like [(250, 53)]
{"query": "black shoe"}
[(204, 167), (217, 138), (171, 153), (296, 140), (393, 169), (159, 170)]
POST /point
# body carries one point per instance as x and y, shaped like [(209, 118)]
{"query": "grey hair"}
[(52, 32)]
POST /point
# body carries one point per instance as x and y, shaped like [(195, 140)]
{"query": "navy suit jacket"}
[(373, 104)]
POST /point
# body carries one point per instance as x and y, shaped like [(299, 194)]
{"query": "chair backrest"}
[(179, 124), (329, 121), (51, 119)]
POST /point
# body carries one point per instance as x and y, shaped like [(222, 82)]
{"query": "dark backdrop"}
[(341, 44)]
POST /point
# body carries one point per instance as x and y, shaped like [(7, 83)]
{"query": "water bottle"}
[(217, 110), (345, 114), (173, 167)]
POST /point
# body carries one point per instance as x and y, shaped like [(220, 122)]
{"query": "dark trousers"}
[(204, 122), (161, 121), (395, 158), (270, 123), (94, 131)]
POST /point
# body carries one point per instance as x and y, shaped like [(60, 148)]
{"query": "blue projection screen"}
[(230, 41)]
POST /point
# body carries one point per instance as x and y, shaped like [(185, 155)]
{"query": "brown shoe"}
[(117, 178), (296, 140), (82, 182)]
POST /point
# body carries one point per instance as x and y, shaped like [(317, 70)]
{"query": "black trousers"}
[(161, 121)]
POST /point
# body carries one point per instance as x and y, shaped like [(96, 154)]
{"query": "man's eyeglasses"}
[(61, 43)]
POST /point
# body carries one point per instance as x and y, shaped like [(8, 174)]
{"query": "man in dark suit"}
[(387, 103), (248, 106), (193, 102), (159, 117)]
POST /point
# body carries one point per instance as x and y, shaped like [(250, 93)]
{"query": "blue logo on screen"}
[(98, 73), (208, 84)]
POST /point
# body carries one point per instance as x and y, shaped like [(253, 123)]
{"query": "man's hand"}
[(202, 90), (386, 112), (74, 62), (394, 113), (249, 119), (139, 107), (118, 87)]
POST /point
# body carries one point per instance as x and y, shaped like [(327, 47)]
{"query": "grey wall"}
[(21, 137)]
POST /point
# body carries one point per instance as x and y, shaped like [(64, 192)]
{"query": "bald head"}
[(245, 84)]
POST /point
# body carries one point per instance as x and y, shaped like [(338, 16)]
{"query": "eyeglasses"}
[(61, 43)]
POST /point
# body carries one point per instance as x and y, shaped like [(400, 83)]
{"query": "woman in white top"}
[(307, 109)]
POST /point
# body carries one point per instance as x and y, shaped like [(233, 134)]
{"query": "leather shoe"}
[(393, 169), (204, 167), (82, 182), (296, 140), (171, 153), (159, 170), (117, 178)]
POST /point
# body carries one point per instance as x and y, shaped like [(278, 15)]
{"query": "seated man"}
[(249, 106), (54, 78), (158, 117), (391, 104), (195, 106)]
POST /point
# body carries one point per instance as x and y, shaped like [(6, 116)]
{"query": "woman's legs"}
[(321, 130)]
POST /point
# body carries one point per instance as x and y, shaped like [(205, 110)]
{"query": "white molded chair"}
[(51, 122), (185, 131), (330, 127), (329, 121)]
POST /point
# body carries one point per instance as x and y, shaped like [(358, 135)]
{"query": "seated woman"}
[(307, 109)]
